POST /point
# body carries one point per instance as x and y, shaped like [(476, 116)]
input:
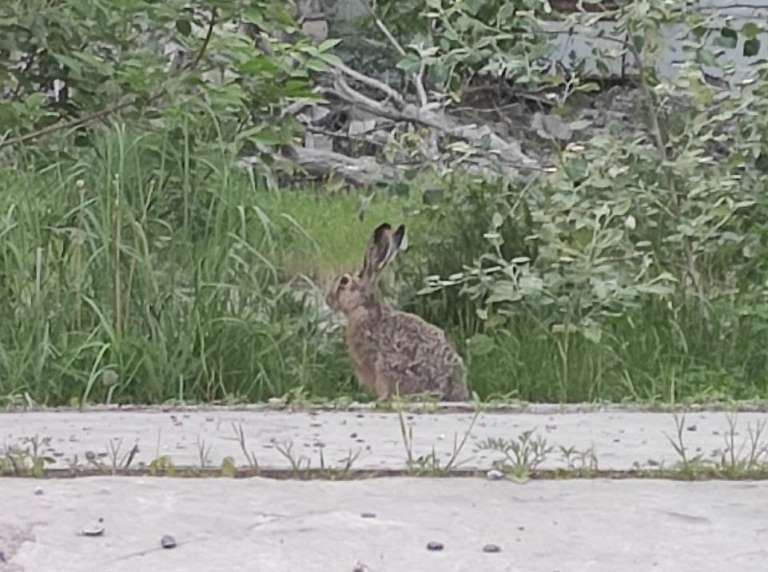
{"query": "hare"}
[(393, 352)]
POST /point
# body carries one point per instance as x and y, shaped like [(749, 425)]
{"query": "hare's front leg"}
[(383, 390), (384, 386), (366, 376)]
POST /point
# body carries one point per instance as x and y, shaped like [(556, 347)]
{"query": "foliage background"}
[(142, 260)]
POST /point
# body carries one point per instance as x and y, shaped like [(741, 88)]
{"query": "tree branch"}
[(418, 78), (508, 153), (371, 82), (204, 48), (109, 110)]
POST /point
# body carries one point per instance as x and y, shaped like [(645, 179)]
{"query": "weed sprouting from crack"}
[(250, 457), (522, 456), (734, 460), (162, 465), (688, 466), (27, 459), (758, 448), (118, 462), (430, 464), (751, 455), (301, 466), (345, 467), (582, 461), (203, 452), (14, 461), (406, 432), (298, 464)]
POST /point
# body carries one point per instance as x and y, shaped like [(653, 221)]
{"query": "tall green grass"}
[(129, 276), (147, 272), (647, 356)]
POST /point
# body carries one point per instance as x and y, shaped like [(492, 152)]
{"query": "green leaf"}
[(184, 27), (228, 468), (410, 63), (751, 47), (331, 59), (592, 332), (728, 38), (750, 30), (328, 44), (504, 291), (317, 65), (481, 345)]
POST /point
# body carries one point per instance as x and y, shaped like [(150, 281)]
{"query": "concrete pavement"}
[(619, 440), (383, 525), (378, 524)]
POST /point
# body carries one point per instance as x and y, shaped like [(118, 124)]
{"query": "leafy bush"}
[(653, 239), (210, 73), (459, 40)]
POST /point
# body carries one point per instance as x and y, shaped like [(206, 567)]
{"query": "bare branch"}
[(508, 153), (371, 82)]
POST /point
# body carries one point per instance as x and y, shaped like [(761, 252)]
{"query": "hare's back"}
[(419, 357)]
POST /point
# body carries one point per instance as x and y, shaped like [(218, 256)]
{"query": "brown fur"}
[(394, 352)]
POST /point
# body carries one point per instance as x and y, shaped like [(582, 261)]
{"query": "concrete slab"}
[(620, 440), (273, 525)]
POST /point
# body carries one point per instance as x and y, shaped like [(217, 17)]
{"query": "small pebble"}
[(93, 530), (494, 475), (168, 541), (39, 491), (2, 556), (435, 546), (360, 567), (368, 515), (491, 548), (691, 428), (353, 435)]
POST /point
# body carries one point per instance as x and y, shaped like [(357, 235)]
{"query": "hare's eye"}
[(344, 281)]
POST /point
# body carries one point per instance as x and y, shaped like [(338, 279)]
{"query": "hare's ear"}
[(397, 241), (377, 251)]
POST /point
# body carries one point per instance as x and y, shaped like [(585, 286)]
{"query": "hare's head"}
[(349, 292)]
